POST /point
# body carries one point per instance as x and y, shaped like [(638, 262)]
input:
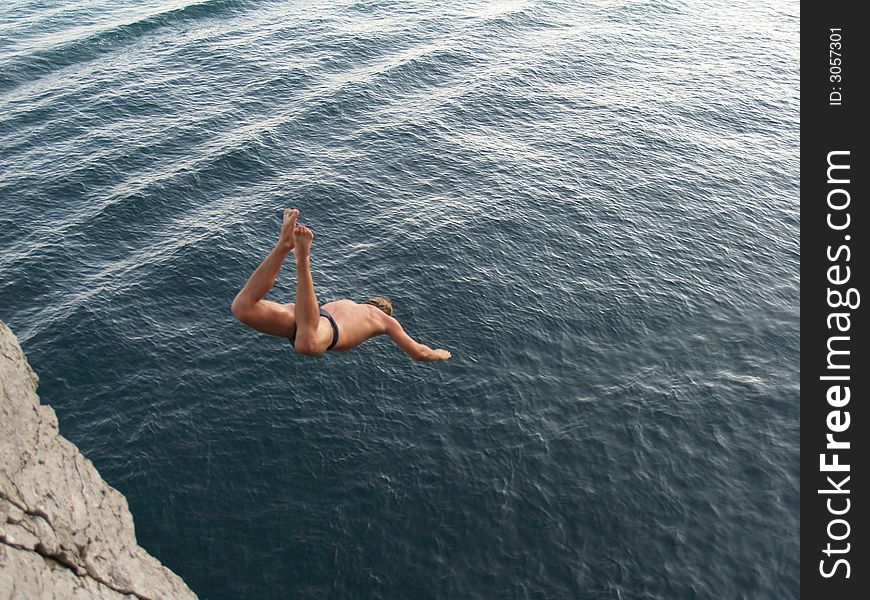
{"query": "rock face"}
[(64, 532)]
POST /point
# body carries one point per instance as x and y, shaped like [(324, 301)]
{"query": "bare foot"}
[(302, 237), (286, 236)]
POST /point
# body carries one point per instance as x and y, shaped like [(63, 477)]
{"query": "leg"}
[(310, 338), (249, 307)]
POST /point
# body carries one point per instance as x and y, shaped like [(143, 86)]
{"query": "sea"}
[(593, 204)]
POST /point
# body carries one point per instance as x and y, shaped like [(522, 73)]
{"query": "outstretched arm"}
[(415, 350)]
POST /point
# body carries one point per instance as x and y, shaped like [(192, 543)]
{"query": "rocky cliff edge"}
[(64, 532)]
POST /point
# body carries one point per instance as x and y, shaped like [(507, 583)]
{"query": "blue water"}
[(592, 204)]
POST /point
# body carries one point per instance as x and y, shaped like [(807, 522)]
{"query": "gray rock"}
[(64, 532)]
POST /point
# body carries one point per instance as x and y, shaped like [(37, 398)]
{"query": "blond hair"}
[(383, 303)]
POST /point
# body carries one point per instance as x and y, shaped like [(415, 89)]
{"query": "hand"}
[(433, 355), (441, 355), (286, 237)]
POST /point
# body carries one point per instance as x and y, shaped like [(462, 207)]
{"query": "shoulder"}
[(385, 322)]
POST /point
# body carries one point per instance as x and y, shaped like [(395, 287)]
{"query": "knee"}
[(241, 309), (305, 346)]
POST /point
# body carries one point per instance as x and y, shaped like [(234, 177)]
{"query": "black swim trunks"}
[(323, 313)]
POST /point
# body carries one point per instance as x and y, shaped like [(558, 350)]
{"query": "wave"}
[(106, 40)]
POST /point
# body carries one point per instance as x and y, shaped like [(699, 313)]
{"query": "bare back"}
[(356, 322)]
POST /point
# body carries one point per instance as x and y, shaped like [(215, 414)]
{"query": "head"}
[(383, 303)]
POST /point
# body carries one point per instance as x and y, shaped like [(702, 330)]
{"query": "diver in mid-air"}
[(311, 328)]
